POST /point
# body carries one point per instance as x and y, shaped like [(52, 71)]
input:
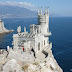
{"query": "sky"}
[(56, 7)]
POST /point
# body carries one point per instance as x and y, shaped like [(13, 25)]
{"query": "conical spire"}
[(24, 29), (38, 11), (45, 10), (41, 11)]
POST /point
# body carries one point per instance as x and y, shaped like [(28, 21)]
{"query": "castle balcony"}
[(48, 34), (48, 47)]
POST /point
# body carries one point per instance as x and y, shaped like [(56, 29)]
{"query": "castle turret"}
[(43, 20)]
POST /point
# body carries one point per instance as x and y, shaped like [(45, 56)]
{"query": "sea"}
[(61, 38)]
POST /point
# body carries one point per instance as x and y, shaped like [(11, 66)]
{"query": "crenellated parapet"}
[(40, 13)]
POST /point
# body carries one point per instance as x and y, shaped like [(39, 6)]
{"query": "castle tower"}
[(43, 20)]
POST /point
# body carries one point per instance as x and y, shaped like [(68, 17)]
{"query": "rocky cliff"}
[(18, 61)]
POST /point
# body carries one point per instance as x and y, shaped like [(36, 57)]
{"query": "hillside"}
[(15, 11)]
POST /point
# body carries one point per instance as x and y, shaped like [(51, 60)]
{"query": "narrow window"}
[(44, 42), (38, 46)]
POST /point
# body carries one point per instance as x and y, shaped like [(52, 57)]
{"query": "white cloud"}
[(20, 4)]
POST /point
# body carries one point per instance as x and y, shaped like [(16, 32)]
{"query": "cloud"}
[(20, 4)]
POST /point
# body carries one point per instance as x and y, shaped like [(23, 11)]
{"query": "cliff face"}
[(21, 62)]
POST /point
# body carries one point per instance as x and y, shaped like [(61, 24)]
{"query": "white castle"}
[(3, 30), (37, 56), (38, 38)]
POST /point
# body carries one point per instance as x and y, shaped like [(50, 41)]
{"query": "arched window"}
[(38, 46)]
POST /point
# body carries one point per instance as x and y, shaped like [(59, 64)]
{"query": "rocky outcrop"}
[(12, 66), (3, 30), (25, 62)]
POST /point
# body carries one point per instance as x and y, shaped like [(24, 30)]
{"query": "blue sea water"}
[(61, 28)]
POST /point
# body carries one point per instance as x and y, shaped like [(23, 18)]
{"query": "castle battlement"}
[(40, 13)]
